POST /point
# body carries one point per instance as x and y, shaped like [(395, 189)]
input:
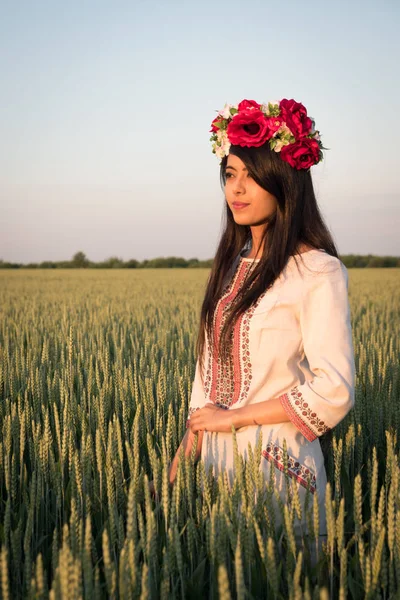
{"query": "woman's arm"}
[(213, 418), (268, 411)]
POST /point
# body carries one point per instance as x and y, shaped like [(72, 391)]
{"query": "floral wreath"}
[(285, 125)]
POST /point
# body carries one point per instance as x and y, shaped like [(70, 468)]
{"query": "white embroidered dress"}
[(295, 344)]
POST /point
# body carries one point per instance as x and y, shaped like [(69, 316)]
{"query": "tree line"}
[(80, 261)]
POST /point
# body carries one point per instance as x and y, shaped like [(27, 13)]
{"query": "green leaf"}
[(221, 124), (273, 109)]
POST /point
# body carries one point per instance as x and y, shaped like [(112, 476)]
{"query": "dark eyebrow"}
[(229, 167)]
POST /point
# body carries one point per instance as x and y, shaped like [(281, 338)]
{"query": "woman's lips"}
[(239, 204)]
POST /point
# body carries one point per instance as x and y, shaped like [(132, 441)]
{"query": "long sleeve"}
[(319, 404), (197, 398)]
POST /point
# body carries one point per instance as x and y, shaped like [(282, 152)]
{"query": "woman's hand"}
[(211, 418)]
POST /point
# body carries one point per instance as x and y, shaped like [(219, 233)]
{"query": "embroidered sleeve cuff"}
[(301, 415)]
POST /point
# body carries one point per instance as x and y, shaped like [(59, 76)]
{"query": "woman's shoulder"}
[(313, 262)]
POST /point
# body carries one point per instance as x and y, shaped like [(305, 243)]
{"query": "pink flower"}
[(274, 124)]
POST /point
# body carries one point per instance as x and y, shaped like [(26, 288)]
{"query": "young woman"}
[(275, 352)]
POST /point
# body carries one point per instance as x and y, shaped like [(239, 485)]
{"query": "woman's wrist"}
[(241, 417), (238, 420)]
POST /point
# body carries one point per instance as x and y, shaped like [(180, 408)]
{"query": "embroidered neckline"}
[(228, 382)]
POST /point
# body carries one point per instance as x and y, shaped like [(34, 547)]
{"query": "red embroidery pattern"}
[(215, 370), (302, 415), (304, 475), (229, 382)]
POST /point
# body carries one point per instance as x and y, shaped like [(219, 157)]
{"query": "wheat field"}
[(96, 368)]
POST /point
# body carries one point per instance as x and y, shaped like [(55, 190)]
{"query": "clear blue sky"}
[(106, 110)]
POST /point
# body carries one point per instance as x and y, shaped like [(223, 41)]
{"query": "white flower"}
[(283, 130), (282, 137), (226, 147), (223, 141), (226, 111), (279, 145), (220, 152), (222, 136)]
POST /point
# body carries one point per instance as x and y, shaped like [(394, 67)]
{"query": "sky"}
[(106, 110)]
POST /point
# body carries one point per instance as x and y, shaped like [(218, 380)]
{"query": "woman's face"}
[(250, 203)]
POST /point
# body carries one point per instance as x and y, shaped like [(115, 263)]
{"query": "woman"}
[(275, 342)]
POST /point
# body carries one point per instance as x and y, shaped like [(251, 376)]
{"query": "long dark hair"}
[(297, 220)]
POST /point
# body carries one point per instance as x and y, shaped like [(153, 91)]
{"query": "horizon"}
[(172, 257)]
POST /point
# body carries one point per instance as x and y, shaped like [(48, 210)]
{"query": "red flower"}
[(250, 127), (295, 116), (248, 104), (301, 154), (274, 123)]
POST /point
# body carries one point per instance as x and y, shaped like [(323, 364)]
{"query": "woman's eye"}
[(229, 175)]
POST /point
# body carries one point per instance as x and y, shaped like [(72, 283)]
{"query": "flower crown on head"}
[(285, 125)]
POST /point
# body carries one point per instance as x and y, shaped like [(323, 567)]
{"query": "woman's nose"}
[(239, 186)]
